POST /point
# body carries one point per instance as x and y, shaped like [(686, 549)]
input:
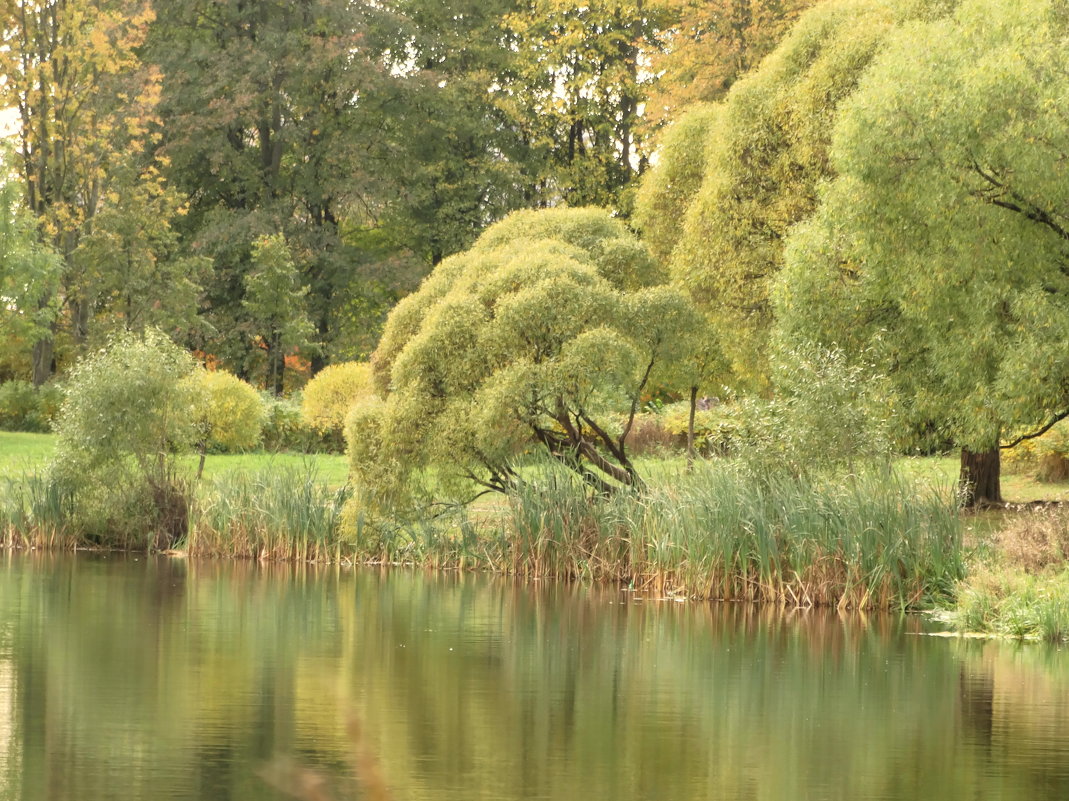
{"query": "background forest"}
[(263, 181)]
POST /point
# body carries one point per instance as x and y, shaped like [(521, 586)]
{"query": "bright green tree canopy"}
[(551, 323), (944, 243), (767, 155)]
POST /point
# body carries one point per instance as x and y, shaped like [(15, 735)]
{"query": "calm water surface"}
[(125, 678)]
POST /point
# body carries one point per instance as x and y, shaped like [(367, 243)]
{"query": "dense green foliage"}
[(327, 398), (127, 410), (375, 138), (227, 412), (766, 156), (553, 320), (668, 189), (24, 407), (941, 246), (29, 278), (714, 43)]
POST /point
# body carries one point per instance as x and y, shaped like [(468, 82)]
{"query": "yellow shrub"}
[(228, 414), (329, 396)]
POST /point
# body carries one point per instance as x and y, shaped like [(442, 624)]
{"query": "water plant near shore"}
[(275, 515), (871, 540)]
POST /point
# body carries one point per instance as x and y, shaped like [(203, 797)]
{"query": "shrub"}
[(716, 430), (328, 397), (649, 436), (24, 407), (125, 415), (537, 336), (285, 429), (228, 414), (829, 412)]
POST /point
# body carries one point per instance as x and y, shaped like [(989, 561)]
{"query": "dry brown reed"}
[(1036, 539)]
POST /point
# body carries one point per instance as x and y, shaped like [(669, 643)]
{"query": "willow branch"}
[(1053, 421)]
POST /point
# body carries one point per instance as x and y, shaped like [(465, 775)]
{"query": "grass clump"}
[(1036, 540), (1008, 601), (36, 511), (276, 514), (1022, 588), (872, 540)]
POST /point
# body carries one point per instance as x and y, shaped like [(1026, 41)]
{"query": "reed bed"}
[(36, 512), (873, 540), (287, 514)]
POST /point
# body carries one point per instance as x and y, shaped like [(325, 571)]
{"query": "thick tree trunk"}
[(980, 480)]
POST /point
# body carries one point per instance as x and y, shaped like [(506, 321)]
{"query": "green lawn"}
[(21, 453), (1016, 487)]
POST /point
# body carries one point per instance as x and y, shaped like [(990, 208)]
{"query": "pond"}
[(126, 677)]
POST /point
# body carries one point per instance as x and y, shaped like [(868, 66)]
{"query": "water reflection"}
[(127, 678)]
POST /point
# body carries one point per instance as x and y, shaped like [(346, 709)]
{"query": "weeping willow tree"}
[(543, 336), (944, 242), (757, 161)]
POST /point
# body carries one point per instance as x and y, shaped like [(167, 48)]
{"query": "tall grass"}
[(872, 540), (36, 512), (279, 514), (276, 514)]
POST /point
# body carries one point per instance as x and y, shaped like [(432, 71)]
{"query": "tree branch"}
[(554, 443), (1057, 418), (634, 402)]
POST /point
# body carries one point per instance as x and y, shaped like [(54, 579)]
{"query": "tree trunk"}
[(979, 479), (690, 428), (203, 454), (42, 360), (277, 365)]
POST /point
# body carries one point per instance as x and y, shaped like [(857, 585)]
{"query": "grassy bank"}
[(874, 541), (880, 540), (1018, 579)]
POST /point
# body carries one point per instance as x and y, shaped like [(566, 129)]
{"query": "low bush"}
[(125, 416), (24, 407), (1011, 602), (285, 428), (650, 437), (716, 429), (228, 414), (327, 398)]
